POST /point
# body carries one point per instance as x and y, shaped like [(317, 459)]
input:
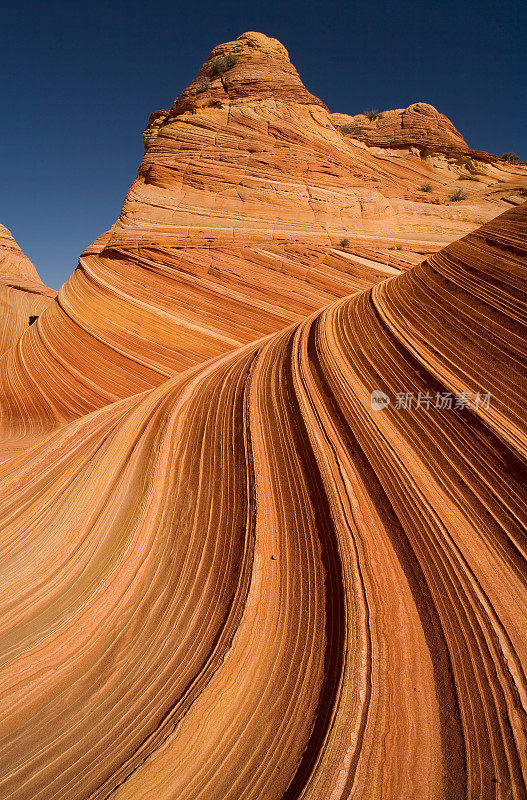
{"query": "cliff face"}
[(253, 582), (23, 296)]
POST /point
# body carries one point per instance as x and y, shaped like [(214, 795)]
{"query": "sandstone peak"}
[(252, 67), (15, 267), (419, 125), (250, 42), (248, 213), (23, 296)]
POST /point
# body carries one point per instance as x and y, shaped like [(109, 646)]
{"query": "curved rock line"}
[(249, 582), (253, 207), (23, 296)]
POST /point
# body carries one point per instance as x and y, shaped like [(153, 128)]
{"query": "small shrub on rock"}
[(457, 195), (373, 114), (203, 85), (352, 130), (223, 63), (512, 158), (426, 187), (344, 242)]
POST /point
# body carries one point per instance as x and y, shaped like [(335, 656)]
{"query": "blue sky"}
[(79, 81)]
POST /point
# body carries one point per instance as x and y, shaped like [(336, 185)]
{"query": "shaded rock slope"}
[(23, 296)]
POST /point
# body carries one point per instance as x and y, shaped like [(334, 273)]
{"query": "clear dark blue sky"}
[(79, 81)]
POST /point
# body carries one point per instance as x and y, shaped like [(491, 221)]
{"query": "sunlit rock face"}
[(253, 581), (420, 125), (252, 208), (263, 467), (253, 67), (23, 296)]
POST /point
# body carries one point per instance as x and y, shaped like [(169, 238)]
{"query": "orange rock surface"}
[(420, 125), (263, 470), (249, 583), (22, 293), (251, 210)]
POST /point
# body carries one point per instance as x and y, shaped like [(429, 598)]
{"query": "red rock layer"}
[(251, 210), (22, 293), (249, 583)]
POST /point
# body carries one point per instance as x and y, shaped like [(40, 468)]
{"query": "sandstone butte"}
[(233, 229), (239, 580)]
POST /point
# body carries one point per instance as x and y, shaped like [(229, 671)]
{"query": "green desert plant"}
[(223, 63), (426, 187), (512, 158), (203, 85), (354, 130), (522, 192), (344, 242), (373, 114), (456, 195)]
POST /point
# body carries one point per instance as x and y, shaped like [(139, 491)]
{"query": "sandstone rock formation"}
[(263, 467), (254, 67), (251, 210), (23, 296), (249, 583), (420, 125)]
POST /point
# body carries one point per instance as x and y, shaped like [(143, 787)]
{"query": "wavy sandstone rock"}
[(420, 125), (23, 296), (251, 210), (260, 70), (247, 583)]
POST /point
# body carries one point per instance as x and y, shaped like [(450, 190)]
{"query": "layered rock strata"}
[(420, 125), (252, 209), (23, 296), (251, 582)]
